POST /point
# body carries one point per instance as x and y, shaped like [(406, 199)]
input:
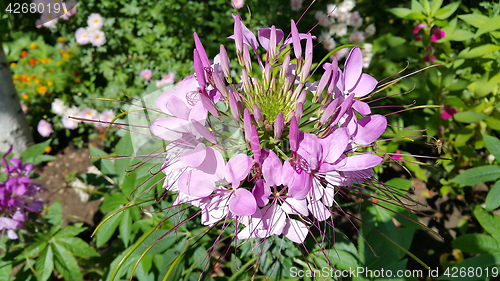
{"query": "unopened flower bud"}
[(257, 115)]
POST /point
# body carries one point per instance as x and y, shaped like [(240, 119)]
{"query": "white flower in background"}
[(107, 117), (356, 37), (71, 123), (82, 36), (342, 16), (367, 54), (321, 17), (58, 107), (95, 21), (347, 6), (370, 30), (88, 113), (327, 41), (340, 53), (296, 5), (338, 29), (97, 38), (356, 20), (331, 9)]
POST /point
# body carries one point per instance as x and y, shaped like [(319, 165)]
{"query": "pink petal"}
[(265, 33), (242, 203), (298, 184), (335, 145), (261, 193), (237, 168), (194, 157), (196, 183), (370, 128), (318, 210), (198, 113), (213, 164), (344, 106), (271, 169), (362, 107), (178, 108), (310, 149), (293, 206), (162, 100), (160, 128), (361, 162), (353, 68), (364, 86), (198, 69), (296, 231)]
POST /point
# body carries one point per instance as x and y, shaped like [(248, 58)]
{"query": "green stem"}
[(242, 269)]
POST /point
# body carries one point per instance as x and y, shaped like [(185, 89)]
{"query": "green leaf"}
[(107, 230), (476, 244), (427, 7), (114, 201), (493, 197), (106, 166), (446, 11), (490, 222), (200, 257), (488, 261), (493, 123), (54, 216), (435, 5), (126, 227), (416, 7), (400, 12), (32, 154), (45, 264), (478, 51), (77, 246), (490, 25), (469, 117), (70, 230), (477, 175), (476, 20), (493, 145), (484, 85), (459, 35), (66, 264)]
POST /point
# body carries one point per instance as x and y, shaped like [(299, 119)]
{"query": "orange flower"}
[(62, 51), (33, 76), (24, 77), (15, 83), (60, 39), (16, 76), (24, 54), (50, 83), (13, 64), (33, 45), (78, 80), (37, 81), (25, 97), (48, 149), (32, 61), (42, 90), (58, 63)]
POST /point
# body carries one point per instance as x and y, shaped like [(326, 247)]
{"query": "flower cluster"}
[(92, 33), (435, 35), (16, 196), (52, 10), (269, 154), (59, 108), (343, 26)]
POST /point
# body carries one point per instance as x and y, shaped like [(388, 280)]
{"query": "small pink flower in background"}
[(437, 34), (356, 20), (146, 74), (24, 107), (38, 23), (95, 21), (82, 36), (418, 38), (97, 38), (44, 128), (356, 37), (429, 47), (418, 27), (168, 78), (429, 58), (296, 5), (107, 117), (448, 112), (397, 155), (237, 4), (88, 113)]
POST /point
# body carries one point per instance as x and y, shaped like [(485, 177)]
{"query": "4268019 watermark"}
[(328, 272)]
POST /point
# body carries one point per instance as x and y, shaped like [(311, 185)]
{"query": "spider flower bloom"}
[(16, 196), (258, 154)]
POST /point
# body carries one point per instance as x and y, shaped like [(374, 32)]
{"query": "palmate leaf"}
[(45, 264), (77, 247), (65, 263)]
